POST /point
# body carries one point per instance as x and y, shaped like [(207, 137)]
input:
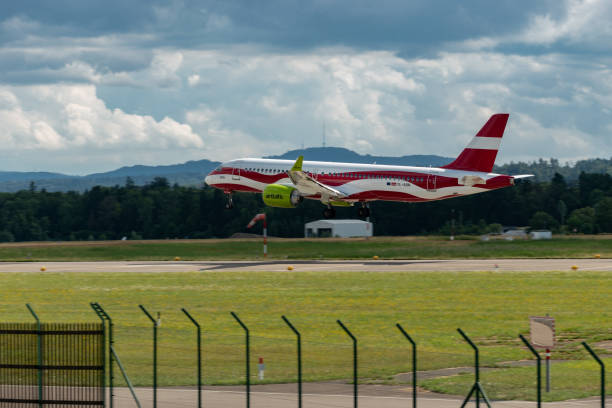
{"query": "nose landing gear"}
[(230, 203)]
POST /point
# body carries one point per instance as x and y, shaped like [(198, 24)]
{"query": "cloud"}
[(71, 118), (581, 27), (584, 22), (167, 82)]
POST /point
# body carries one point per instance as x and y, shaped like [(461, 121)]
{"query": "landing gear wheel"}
[(329, 213), (230, 203), (364, 211)]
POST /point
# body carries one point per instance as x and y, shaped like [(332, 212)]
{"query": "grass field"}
[(492, 307), (573, 379), (249, 249)]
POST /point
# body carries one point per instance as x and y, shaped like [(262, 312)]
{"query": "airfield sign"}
[(542, 331)]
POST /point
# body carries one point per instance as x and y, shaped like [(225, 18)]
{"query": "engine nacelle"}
[(275, 195)]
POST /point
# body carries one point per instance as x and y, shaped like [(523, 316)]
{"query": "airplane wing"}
[(521, 176), (307, 185)]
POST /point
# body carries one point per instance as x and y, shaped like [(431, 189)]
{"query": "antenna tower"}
[(323, 133)]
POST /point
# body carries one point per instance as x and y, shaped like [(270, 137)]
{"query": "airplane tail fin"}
[(480, 154)]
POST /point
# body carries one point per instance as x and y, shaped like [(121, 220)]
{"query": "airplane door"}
[(431, 182), (236, 173)]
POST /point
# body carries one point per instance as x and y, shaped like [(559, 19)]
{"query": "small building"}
[(338, 228), (540, 234), (511, 233)]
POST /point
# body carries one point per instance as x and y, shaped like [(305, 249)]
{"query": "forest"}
[(160, 210)]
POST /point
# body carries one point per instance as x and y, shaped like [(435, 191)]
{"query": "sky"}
[(88, 86)]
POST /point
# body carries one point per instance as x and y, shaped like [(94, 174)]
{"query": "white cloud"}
[(585, 21), (71, 118), (164, 68), (248, 101), (222, 142), (193, 80)]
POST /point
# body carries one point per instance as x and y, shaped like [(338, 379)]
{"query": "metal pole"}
[(299, 359), (199, 356), (40, 356), (154, 354), (602, 375), (248, 370), (547, 370), (101, 317), (101, 312), (354, 362), (476, 365), (539, 368), (265, 237), (125, 376), (414, 365)]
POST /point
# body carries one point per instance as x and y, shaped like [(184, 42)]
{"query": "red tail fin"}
[(480, 154)]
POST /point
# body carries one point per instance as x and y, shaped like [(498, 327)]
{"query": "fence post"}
[(414, 365), (155, 323), (299, 359), (602, 367), (539, 368), (105, 316), (199, 356), (476, 388), (354, 362), (248, 357), (40, 355), (101, 317)]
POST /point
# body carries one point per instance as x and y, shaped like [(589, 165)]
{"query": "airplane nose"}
[(208, 179)]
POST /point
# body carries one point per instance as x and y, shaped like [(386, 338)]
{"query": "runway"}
[(450, 265)]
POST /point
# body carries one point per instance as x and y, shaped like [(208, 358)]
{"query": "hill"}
[(340, 154), (192, 173)]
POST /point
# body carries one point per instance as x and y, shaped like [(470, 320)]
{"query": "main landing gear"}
[(364, 210), (230, 203), (329, 212)]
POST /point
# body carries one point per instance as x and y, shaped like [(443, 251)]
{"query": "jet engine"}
[(276, 195)]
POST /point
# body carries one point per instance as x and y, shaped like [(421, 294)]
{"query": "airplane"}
[(285, 183)]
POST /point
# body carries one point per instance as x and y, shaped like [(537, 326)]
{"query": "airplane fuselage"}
[(359, 182)]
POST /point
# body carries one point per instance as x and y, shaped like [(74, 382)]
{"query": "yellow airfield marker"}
[(574, 268), (597, 256), (177, 258), (290, 268), (375, 257), (42, 269)]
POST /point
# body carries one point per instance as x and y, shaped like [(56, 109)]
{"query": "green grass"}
[(390, 248), (575, 379), (492, 307)]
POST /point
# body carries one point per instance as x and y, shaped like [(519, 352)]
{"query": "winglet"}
[(298, 164)]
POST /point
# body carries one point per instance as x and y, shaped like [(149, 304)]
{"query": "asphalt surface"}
[(457, 265), (335, 396)]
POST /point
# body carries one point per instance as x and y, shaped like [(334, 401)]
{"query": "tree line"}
[(159, 210)]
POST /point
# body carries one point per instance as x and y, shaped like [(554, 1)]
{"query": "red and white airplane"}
[(284, 183)]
